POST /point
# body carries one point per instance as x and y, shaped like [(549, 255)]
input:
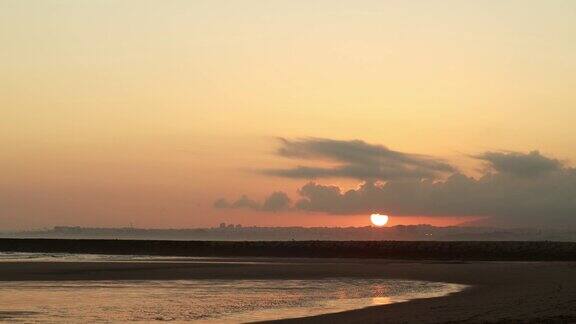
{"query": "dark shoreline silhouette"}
[(413, 250)]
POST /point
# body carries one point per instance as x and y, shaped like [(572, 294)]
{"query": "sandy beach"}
[(500, 291)]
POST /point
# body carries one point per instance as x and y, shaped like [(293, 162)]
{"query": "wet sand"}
[(501, 291)]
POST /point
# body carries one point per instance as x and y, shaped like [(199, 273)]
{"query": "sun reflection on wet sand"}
[(381, 300), (203, 300)]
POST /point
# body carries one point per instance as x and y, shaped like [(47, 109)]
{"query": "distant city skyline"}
[(238, 232)]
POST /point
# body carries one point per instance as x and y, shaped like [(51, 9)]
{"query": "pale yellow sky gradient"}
[(147, 111)]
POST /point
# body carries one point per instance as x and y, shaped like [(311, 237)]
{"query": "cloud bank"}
[(276, 202), (516, 189), (356, 159)]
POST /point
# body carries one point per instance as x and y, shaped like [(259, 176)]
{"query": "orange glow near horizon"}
[(324, 220)]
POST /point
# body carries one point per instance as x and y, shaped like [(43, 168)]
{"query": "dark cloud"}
[(221, 203), (277, 201), (242, 202), (517, 189), (518, 164), (523, 189), (356, 159)]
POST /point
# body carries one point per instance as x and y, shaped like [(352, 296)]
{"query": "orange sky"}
[(147, 111)]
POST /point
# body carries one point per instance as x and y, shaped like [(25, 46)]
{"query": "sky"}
[(173, 113)]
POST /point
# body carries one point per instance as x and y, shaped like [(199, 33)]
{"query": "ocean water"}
[(209, 301), (202, 301)]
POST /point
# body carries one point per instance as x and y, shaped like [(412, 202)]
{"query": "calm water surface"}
[(204, 301)]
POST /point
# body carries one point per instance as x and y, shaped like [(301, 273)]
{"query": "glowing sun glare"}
[(379, 220)]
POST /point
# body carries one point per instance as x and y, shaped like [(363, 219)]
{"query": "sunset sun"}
[(379, 220)]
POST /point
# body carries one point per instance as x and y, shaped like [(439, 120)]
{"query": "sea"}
[(201, 301)]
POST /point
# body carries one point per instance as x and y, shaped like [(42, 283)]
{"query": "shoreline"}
[(500, 292)]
